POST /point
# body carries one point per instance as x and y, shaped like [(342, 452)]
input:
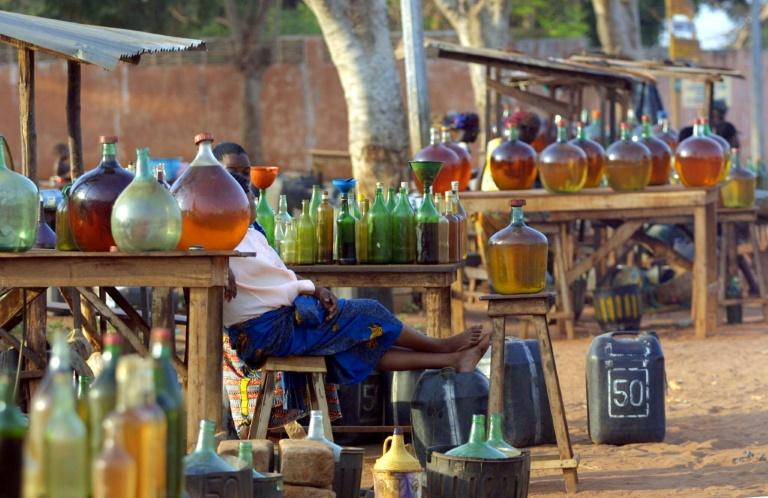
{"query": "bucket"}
[(458, 477), (348, 472), (270, 485)]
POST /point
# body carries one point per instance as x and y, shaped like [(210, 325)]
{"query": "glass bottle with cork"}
[(403, 229), (306, 248), (324, 230), (379, 230), (345, 233)]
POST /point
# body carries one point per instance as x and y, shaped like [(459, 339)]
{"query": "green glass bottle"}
[(379, 230), (288, 246), (427, 231), (307, 247), (245, 455), (477, 446), (204, 459), (496, 436), (354, 207), (403, 229), (64, 239), (266, 217), (314, 202), (345, 234), (13, 428), (361, 232), (19, 208), (324, 231), (102, 396), (145, 216), (391, 199), (83, 411), (443, 232), (66, 444), (281, 223), (171, 401)]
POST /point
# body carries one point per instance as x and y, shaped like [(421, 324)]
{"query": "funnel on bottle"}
[(426, 171), (262, 177), (344, 185)]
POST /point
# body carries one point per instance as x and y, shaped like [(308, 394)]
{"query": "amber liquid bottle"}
[(517, 256), (595, 156), (739, 190), (91, 198), (562, 166), (463, 222), (464, 171), (443, 232), (724, 145), (454, 228), (215, 212), (114, 471), (324, 231), (437, 151), (428, 231), (628, 166), (661, 154), (699, 159), (513, 163)]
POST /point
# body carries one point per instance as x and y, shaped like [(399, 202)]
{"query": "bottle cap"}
[(108, 139), (646, 118), (579, 124), (205, 136), (112, 339), (561, 123), (624, 125), (161, 334), (517, 203)]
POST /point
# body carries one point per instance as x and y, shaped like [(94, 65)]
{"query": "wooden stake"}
[(27, 113), (74, 131)]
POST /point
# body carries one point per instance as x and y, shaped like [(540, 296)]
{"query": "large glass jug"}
[(595, 156), (661, 154), (739, 190), (215, 212), (145, 216), (92, 197), (665, 133), (18, 207), (437, 151), (517, 256), (628, 166), (477, 446), (699, 159), (724, 145), (563, 166), (64, 239), (513, 163), (464, 171)]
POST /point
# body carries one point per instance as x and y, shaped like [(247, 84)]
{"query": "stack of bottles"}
[(121, 436), (388, 231)]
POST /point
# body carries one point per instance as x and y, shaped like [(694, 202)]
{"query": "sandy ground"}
[(717, 418)]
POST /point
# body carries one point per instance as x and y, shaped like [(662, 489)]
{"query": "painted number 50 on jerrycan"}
[(625, 388)]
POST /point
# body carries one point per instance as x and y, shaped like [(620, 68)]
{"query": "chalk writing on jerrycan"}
[(625, 388)]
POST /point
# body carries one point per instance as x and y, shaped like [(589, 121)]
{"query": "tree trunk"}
[(357, 35), (479, 24), (251, 109), (618, 27)]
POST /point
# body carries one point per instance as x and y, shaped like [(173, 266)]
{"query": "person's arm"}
[(327, 298)]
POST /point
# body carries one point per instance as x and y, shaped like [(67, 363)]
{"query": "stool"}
[(534, 308), (314, 368), (730, 252)]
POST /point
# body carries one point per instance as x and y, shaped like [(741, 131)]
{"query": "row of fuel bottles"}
[(387, 231)]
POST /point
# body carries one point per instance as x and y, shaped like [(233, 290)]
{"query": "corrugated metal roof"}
[(90, 44)]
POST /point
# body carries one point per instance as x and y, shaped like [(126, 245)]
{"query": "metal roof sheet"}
[(99, 45)]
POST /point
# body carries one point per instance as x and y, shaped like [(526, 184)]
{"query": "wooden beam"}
[(27, 113), (415, 73), (74, 131), (12, 303), (131, 313), (133, 339), (551, 105), (35, 358), (620, 236)]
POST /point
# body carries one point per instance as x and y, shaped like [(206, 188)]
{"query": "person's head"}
[(684, 133), (528, 125), (245, 184), (233, 157), (719, 110), (61, 151)]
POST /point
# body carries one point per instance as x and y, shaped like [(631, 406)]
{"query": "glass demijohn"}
[(699, 159), (496, 436), (464, 171), (513, 163), (19, 207), (437, 151), (661, 154), (563, 166), (595, 156), (628, 166), (204, 459), (477, 446)]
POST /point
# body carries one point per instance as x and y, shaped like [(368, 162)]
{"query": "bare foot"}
[(469, 358), (463, 341)]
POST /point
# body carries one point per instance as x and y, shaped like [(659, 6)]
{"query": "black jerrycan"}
[(361, 404), (625, 388), (442, 408), (400, 388)]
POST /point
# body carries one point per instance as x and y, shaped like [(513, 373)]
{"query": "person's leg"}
[(415, 340), (462, 361)]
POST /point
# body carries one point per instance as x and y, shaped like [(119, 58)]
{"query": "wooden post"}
[(74, 132), (415, 74), (27, 113)]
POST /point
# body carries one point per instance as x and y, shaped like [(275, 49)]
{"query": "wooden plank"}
[(548, 104), (204, 388), (12, 303), (444, 311), (704, 299), (306, 364), (564, 288), (759, 274), (379, 279), (133, 339), (432, 310), (131, 313), (261, 410), (36, 328), (553, 463), (74, 131), (32, 356), (457, 304), (496, 396), (523, 307), (619, 238), (26, 64), (162, 308)]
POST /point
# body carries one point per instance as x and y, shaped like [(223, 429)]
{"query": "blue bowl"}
[(344, 185)]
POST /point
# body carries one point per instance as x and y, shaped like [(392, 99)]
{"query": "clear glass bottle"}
[(739, 190), (628, 165), (477, 446), (437, 151), (13, 428), (496, 436), (403, 229), (314, 202), (92, 197), (361, 231), (463, 222), (517, 256), (699, 159), (114, 471), (204, 459), (160, 176), (288, 247), (428, 231), (19, 207), (306, 248), (315, 433), (513, 162), (215, 212), (324, 230), (563, 166), (443, 232), (46, 237), (67, 469), (379, 230), (281, 222), (464, 171), (64, 239), (345, 234), (595, 156), (661, 154), (454, 234), (171, 401), (145, 216), (102, 395)]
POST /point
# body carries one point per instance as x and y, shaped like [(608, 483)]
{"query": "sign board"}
[(693, 93)]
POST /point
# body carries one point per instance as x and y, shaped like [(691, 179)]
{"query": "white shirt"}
[(263, 281)]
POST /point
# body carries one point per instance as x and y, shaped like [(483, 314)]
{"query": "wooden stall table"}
[(630, 211), (436, 280), (203, 272)]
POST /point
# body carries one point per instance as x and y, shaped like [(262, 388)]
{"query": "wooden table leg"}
[(759, 268), (563, 289), (704, 313), (204, 384), (36, 328), (722, 272), (555, 400), (496, 396), (457, 303), (437, 305)]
